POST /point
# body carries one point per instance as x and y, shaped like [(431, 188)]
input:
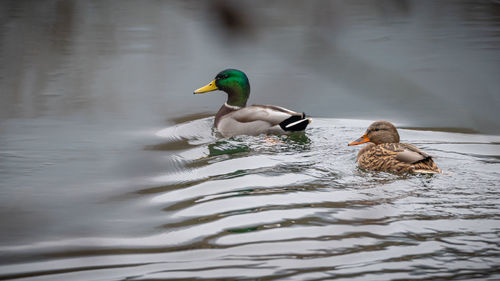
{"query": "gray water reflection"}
[(110, 168), (296, 209)]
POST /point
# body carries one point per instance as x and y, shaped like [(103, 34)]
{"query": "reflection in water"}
[(293, 142), (298, 207), (91, 188), (223, 147)]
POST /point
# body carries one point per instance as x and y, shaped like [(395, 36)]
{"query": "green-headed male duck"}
[(235, 118)]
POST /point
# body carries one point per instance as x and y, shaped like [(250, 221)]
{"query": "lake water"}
[(110, 168)]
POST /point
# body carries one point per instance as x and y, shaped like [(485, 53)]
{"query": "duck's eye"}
[(225, 76), (376, 129)]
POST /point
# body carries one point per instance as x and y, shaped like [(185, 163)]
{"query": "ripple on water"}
[(296, 207)]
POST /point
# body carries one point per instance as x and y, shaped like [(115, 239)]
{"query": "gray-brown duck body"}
[(385, 153)]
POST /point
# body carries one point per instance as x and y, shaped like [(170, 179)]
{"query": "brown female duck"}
[(386, 153)]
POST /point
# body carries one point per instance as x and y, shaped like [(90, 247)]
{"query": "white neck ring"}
[(234, 107)]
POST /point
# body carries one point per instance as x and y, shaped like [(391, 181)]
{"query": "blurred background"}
[(85, 85), (418, 63)]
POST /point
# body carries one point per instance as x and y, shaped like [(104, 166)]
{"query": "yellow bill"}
[(208, 88)]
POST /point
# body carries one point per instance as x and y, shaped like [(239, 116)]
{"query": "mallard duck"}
[(235, 118), (386, 153)]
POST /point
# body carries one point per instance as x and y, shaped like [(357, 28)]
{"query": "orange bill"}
[(361, 140)]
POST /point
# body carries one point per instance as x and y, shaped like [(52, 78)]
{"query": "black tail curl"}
[(295, 123)]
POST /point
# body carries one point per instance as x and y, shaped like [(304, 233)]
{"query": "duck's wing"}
[(397, 158), (286, 119), (410, 154), (262, 119), (269, 113)]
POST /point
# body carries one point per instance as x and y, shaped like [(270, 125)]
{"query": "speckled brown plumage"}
[(384, 157), (386, 153)]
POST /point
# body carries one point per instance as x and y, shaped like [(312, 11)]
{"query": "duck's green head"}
[(232, 81)]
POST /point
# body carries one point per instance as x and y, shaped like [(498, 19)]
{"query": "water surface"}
[(295, 207), (110, 168)]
